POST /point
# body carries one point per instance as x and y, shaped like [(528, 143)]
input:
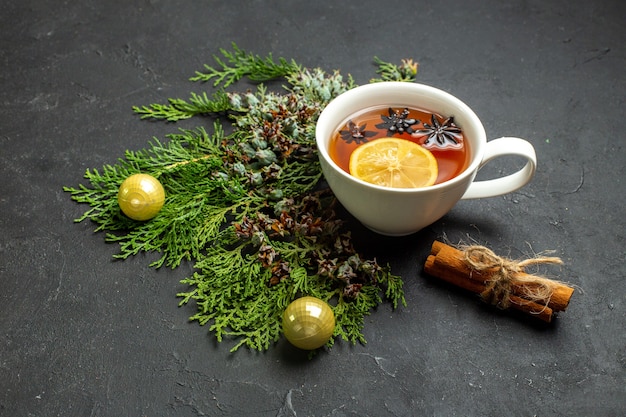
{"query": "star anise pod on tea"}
[(397, 122), (444, 133), (356, 134)]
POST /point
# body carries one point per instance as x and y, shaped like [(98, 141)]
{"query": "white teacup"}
[(402, 211)]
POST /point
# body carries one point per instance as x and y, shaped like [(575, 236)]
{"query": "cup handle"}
[(501, 147)]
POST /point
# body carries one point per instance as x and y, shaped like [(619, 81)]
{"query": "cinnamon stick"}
[(460, 280), (450, 264)]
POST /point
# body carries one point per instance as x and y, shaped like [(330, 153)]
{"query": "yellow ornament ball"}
[(141, 197), (308, 323)]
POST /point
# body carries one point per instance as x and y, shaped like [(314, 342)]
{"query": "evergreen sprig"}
[(239, 63), (406, 71), (247, 207), (179, 109)]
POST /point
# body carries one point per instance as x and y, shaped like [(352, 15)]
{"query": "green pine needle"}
[(406, 71), (241, 64), (246, 208), (179, 109)]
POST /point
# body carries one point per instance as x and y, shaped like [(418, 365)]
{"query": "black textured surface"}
[(83, 335)]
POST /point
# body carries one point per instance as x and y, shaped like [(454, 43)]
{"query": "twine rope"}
[(505, 273)]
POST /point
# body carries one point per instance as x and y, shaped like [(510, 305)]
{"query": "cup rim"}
[(330, 112)]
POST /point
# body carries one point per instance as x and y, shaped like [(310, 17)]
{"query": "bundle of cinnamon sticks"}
[(500, 281)]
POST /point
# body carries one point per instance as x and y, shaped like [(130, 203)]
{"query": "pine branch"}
[(388, 71), (196, 204), (239, 64), (179, 109), (246, 207)]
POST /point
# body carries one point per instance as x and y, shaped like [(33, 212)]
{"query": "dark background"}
[(84, 335)]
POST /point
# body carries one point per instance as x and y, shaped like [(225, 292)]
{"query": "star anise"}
[(356, 134), (444, 133), (397, 122)]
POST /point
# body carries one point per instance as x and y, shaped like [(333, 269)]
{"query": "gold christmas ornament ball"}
[(308, 323), (141, 197)]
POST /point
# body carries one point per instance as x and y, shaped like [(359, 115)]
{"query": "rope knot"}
[(504, 273)]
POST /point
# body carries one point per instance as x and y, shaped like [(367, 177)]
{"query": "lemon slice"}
[(393, 162)]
